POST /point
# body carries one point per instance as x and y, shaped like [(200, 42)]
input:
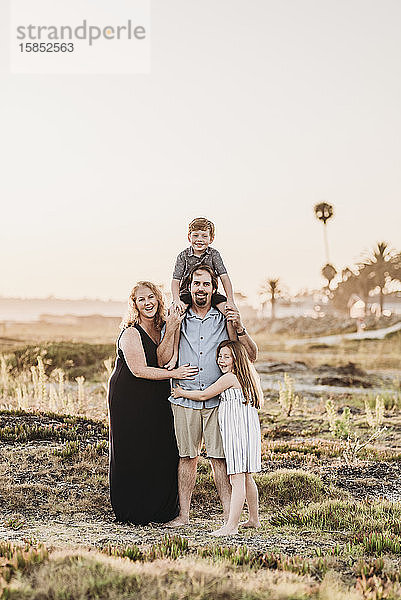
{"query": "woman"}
[(143, 450)]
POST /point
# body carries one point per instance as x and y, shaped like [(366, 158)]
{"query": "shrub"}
[(340, 427), (287, 398), (76, 359), (375, 420), (348, 515), (286, 486)]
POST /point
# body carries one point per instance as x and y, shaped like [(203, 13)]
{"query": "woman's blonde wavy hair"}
[(132, 316), (245, 372)]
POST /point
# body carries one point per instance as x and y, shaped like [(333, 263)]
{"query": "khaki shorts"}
[(192, 425)]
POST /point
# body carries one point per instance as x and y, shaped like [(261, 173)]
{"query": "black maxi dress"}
[(143, 448)]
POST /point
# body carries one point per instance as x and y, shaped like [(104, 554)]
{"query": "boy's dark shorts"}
[(216, 298)]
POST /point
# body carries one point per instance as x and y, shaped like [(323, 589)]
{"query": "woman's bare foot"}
[(224, 531), (177, 522), (253, 524)]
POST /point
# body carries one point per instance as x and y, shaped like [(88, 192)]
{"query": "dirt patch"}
[(346, 381), (348, 375), (282, 367), (366, 480)]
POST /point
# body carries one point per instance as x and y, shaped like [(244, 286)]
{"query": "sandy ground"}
[(82, 531)]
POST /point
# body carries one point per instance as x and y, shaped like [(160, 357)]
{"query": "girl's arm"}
[(134, 354), (223, 383)]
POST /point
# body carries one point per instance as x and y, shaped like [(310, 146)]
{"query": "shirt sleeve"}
[(218, 264), (162, 332), (179, 268)]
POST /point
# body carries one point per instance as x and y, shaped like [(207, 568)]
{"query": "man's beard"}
[(200, 300)]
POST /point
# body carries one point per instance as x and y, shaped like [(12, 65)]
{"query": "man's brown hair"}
[(201, 224), (215, 281)]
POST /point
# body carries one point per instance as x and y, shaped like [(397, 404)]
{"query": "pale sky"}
[(253, 112)]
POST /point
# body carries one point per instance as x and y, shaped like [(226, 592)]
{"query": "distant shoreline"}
[(31, 309)]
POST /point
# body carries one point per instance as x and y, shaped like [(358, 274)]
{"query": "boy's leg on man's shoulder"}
[(217, 299), (185, 296)]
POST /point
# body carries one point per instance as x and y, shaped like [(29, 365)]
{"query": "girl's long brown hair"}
[(133, 314), (245, 372)]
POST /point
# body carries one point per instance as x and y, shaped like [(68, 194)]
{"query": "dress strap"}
[(120, 334)]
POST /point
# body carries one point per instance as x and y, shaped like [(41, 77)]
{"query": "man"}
[(202, 329)]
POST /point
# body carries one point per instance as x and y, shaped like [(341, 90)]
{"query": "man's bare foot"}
[(177, 522), (253, 524), (224, 531)]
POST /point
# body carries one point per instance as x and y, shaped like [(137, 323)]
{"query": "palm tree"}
[(269, 291), (324, 212), (364, 283), (396, 266), (329, 272), (382, 266), (358, 283)]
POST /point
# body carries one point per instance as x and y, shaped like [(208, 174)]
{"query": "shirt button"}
[(201, 337), (201, 369), (200, 352)]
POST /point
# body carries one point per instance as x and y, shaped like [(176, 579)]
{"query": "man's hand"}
[(236, 332), (234, 317)]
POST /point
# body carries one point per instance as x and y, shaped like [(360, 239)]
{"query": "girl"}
[(240, 397)]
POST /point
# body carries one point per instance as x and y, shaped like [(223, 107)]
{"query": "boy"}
[(200, 236)]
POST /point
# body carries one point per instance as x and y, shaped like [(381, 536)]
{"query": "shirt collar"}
[(211, 313), (191, 251)]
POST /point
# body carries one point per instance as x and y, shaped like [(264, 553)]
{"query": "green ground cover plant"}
[(343, 515)]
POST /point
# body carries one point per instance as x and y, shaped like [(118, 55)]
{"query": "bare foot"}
[(177, 522), (224, 531), (253, 524)]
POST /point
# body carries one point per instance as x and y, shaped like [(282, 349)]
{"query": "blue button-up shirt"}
[(199, 340)]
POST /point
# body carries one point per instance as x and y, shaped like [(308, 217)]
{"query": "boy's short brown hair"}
[(201, 224)]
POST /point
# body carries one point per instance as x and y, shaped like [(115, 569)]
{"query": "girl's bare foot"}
[(224, 531), (253, 524)]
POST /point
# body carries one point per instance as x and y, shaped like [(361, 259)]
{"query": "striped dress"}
[(240, 430)]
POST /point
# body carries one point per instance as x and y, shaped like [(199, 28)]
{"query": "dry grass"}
[(48, 485), (83, 575)]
